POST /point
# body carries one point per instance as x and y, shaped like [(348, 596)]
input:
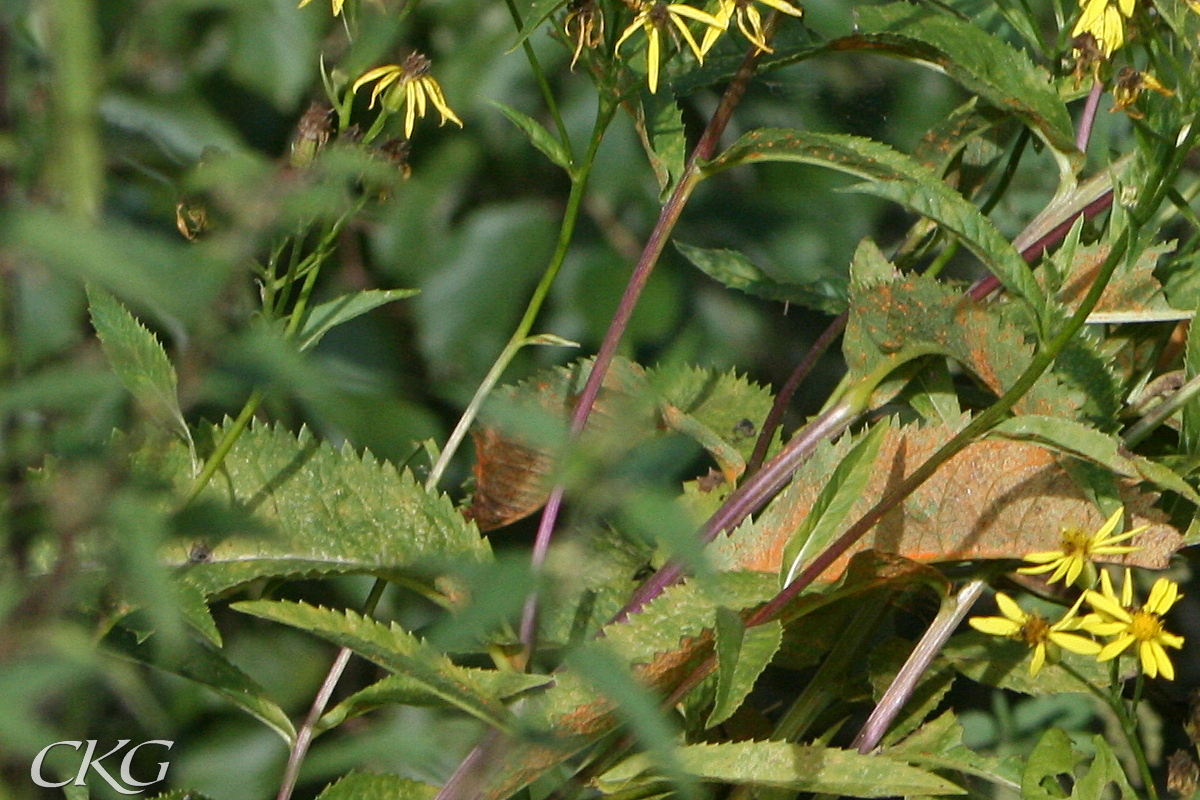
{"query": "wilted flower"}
[(1078, 550), (1105, 20), (654, 17), (584, 24), (409, 86), (1128, 87), (1035, 630), (1143, 626), (749, 21)]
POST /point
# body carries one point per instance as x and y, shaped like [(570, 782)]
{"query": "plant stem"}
[(304, 736), (1088, 119), (520, 336), (543, 84), (79, 157), (952, 612)]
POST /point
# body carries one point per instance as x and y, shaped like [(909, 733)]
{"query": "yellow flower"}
[(1105, 20), (1119, 618), (337, 5), (1036, 631), (748, 19), (654, 17), (409, 86), (1078, 550)]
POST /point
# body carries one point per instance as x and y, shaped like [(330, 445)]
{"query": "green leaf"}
[(138, 359), (938, 745), (405, 689), (391, 647), (734, 270), (367, 786), (321, 319), (541, 138), (894, 176), (1106, 770), (1055, 757), (843, 489), (659, 124), (742, 655), (332, 511), (207, 667), (1004, 663), (982, 63), (795, 768), (537, 13), (194, 608)]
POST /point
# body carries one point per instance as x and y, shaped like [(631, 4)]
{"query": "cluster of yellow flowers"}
[(1118, 619)]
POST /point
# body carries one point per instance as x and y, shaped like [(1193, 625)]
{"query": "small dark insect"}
[(200, 553), (744, 429)]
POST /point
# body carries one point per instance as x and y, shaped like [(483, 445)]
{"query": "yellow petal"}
[(410, 108), (1010, 609), (783, 7), (1170, 639), (1109, 525), (1146, 655), (1075, 643), (337, 6), (1043, 557), (1107, 606), (995, 626), (696, 14), (1115, 648), (372, 74), (1163, 595), (652, 58), (439, 102), (687, 35), (1165, 667), (1039, 658), (633, 26)]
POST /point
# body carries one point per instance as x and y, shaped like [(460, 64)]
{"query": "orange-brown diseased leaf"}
[(1131, 290), (524, 426), (984, 337), (993, 500)]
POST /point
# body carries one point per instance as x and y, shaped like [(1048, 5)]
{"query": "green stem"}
[(520, 336), (79, 157), (543, 84), (224, 446)]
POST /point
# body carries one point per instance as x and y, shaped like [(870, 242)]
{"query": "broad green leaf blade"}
[(194, 608), (404, 689), (1055, 755), (982, 63), (207, 667), (742, 655), (539, 137), (659, 125), (938, 745), (138, 358), (795, 768), (329, 315), (369, 786), (894, 176), (1105, 770), (734, 270), (1004, 663), (330, 511), (391, 647)]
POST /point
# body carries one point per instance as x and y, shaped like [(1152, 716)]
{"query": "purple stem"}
[(667, 218), (775, 417), (1088, 118), (751, 496)]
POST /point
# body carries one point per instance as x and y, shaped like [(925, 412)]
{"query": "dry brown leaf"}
[(993, 500)]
